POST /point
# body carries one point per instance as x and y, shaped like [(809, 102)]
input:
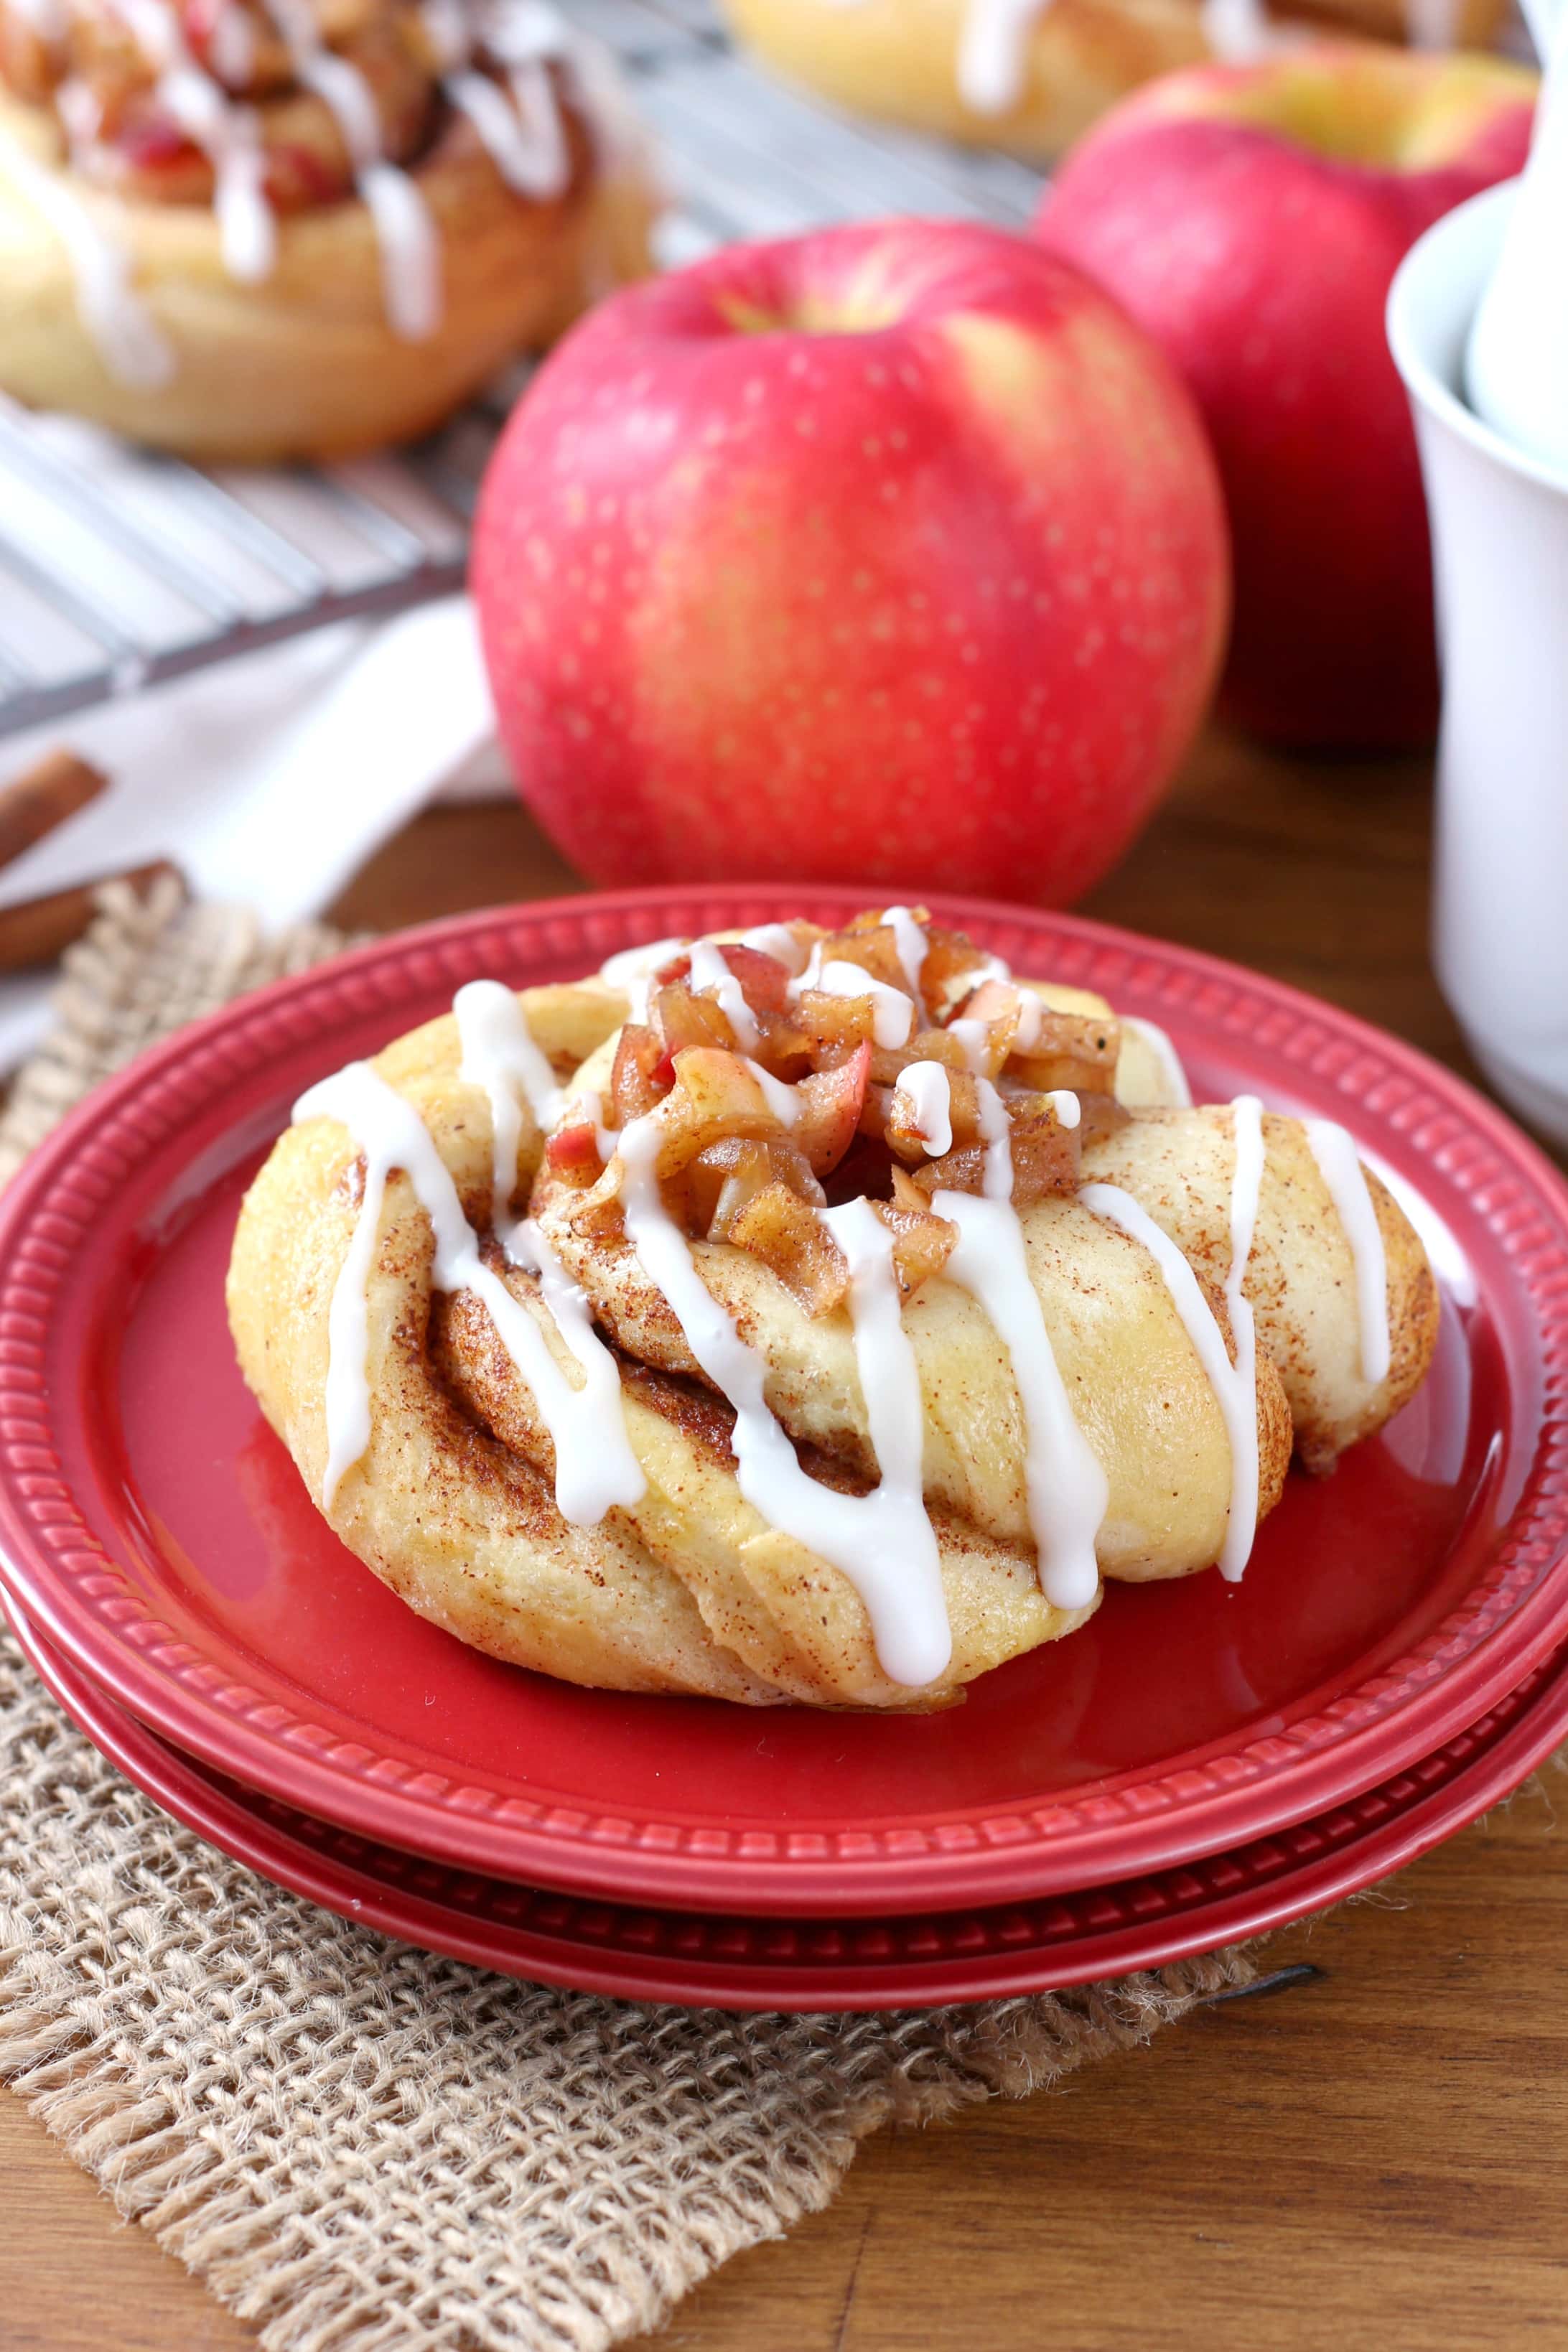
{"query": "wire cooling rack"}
[(118, 569)]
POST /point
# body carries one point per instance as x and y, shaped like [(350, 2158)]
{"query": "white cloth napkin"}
[(268, 780)]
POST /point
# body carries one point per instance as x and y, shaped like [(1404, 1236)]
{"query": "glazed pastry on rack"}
[(796, 1317), (269, 229), (1031, 76)]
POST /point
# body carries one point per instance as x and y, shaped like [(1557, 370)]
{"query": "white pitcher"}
[(1499, 544), (1516, 370)]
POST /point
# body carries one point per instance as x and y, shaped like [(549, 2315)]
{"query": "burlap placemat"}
[(357, 2146)]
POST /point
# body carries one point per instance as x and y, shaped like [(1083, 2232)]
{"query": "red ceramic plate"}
[(155, 1530), (705, 1960)]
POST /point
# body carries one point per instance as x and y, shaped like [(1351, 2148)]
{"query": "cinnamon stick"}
[(43, 796), (36, 931)]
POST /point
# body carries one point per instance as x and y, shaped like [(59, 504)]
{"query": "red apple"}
[(888, 555), (1251, 219)]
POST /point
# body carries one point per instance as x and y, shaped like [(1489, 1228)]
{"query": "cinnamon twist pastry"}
[(265, 229), (1031, 76), (806, 1318)]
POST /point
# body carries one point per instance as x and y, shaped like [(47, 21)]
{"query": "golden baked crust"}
[(691, 1589)]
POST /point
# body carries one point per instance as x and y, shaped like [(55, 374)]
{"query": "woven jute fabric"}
[(357, 2146)]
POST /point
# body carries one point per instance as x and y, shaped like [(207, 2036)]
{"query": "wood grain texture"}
[(1377, 2155)]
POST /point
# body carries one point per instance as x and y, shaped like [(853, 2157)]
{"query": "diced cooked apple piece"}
[(907, 1140), (785, 1051), (1099, 1115), (642, 1074), (955, 1171), (874, 947), (924, 1046), (835, 1027), (573, 1152), (1045, 1157), (1076, 1050), (724, 1176), (950, 956), (684, 1018), (786, 1233), (830, 1105), (764, 980), (714, 1097), (1000, 1006), (922, 1240)]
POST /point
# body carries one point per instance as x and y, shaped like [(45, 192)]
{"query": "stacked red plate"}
[(1200, 1763)]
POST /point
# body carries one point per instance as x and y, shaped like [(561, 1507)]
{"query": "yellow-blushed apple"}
[(1251, 219), (893, 553)]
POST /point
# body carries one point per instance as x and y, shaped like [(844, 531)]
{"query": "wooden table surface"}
[(1377, 2155)]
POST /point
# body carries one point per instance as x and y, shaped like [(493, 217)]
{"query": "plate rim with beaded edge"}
[(101, 1196), (704, 1959)]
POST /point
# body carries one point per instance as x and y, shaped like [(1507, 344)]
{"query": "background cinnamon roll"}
[(262, 229), (1029, 76)]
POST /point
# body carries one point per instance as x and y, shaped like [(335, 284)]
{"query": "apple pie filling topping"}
[(887, 1062)]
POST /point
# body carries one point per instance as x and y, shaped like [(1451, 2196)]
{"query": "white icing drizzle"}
[(526, 140), (588, 1107), (49, 20), (633, 970), (711, 975), (1237, 30), (500, 1054), (996, 1133), (1235, 1383), (1066, 1105), (410, 251), (1068, 1491), (229, 136), (776, 940), (406, 236), (991, 967), (640, 963), (80, 111), (926, 1090), (895, 1413), (1239, 1410), (1165, 1053), (993, 65), (993, 52), (1031, 1020), (448, 25), (128, 339), (974, 1036), (226, 135), (594, 1465), (1339, 1163), (875, 1539), (1433, 24), (1449, 1261), (519, 31), (782, 1100), (231, 46), (1246, 1192), (913, 947), (893, 1016)]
